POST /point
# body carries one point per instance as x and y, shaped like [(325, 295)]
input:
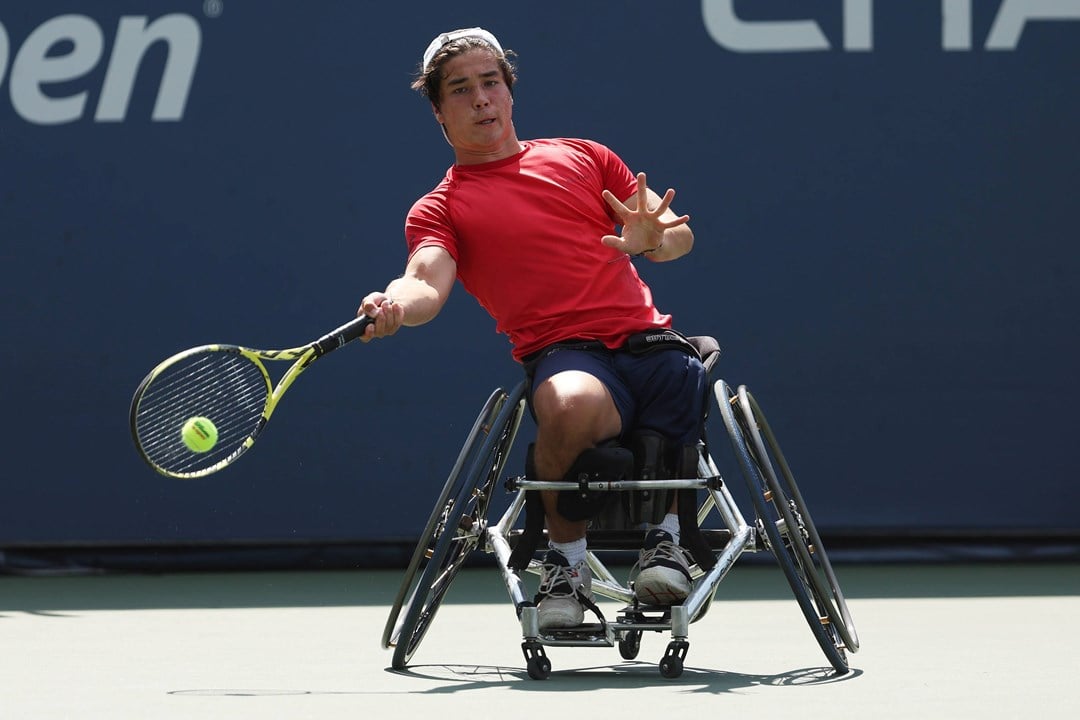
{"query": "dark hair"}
[(428, 80)]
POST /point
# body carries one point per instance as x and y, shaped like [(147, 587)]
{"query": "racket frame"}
[(302, 357)]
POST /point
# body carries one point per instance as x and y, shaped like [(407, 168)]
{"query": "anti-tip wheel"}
[(671, 667), (538, 667)]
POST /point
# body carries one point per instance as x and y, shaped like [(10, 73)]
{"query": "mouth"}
[(486, 121)]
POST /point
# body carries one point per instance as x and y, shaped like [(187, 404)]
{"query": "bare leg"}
[(574, 411)]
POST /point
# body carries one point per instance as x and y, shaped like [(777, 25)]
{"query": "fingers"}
[(676, 222), (616, 242), (643, 198), (664, 208), (642, 202), (665, 203), (389, 316), (621, 210)]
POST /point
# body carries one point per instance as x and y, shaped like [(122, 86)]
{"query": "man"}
[(529, 228)]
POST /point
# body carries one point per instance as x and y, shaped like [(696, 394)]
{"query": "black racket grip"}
[(344, 334)]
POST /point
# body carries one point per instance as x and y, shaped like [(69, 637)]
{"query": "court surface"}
[(938, 641)]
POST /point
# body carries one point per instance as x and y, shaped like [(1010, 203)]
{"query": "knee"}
[(576, 403)]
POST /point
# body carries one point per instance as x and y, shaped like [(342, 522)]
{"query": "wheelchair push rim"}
[(812, 555), (823, 607), (457, 525), (429, 535)]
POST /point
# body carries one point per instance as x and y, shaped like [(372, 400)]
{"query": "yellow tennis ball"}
[(199, 434)]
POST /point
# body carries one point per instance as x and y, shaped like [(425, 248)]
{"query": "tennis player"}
[(543, 234)]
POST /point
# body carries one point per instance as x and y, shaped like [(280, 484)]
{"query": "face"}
[(477, 109)]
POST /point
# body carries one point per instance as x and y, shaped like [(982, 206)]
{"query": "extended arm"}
[(414, 298)]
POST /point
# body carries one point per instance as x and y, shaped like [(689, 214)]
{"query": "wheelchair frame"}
[(782, 525)]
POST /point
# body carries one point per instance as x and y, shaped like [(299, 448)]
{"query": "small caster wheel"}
[(671, 667), (630, 645), (538, 667), (536, 661)]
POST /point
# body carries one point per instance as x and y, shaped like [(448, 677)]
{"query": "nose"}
[(480, 99)]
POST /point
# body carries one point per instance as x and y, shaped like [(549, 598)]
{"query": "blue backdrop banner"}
[(884, 196)]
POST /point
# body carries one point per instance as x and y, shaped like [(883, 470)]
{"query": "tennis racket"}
[(227, 384)]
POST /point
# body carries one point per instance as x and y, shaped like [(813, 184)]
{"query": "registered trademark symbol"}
[(213, 8)]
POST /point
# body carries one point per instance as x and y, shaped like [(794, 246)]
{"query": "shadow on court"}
[(628, 675), (455, 679)]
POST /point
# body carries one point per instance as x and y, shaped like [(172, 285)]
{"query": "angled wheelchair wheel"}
[(456, 526), (787, 525)]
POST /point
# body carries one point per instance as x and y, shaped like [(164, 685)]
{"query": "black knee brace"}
[(652, 458), (607, 462), (631, 509)]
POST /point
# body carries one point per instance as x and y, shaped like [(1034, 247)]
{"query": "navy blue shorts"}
[(662, 390)]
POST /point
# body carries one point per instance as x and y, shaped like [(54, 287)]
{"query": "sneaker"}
[(561, 589), (663, 571)]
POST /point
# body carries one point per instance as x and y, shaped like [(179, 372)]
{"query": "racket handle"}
[(344, 334)]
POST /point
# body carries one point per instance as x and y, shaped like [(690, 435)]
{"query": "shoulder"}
[(578, 152), (429, 221), (580, 145), (436, 199)]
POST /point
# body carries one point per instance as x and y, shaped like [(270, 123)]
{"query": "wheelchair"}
[(460, 525)]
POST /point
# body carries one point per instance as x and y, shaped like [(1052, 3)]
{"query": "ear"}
[(437, 114)]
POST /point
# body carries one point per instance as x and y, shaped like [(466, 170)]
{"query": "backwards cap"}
[(448, 37)]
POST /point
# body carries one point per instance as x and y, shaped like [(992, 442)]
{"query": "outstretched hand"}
[(642, 228)]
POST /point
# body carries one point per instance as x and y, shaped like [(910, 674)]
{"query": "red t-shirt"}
[(525, 233)]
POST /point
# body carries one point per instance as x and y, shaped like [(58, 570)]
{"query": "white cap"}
[(447, 37)]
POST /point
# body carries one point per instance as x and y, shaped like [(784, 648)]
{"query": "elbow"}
[(683, 240)]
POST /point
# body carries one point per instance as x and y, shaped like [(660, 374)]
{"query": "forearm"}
[(414, 298), (419, 300), (677, 241)]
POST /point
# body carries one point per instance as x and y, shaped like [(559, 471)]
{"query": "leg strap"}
[(690, 536), (533, 533)]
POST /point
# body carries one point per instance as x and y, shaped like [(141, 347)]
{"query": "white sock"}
[(670, 525), (574, 552)]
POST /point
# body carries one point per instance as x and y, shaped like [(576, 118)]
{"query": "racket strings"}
[(224, 386)]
